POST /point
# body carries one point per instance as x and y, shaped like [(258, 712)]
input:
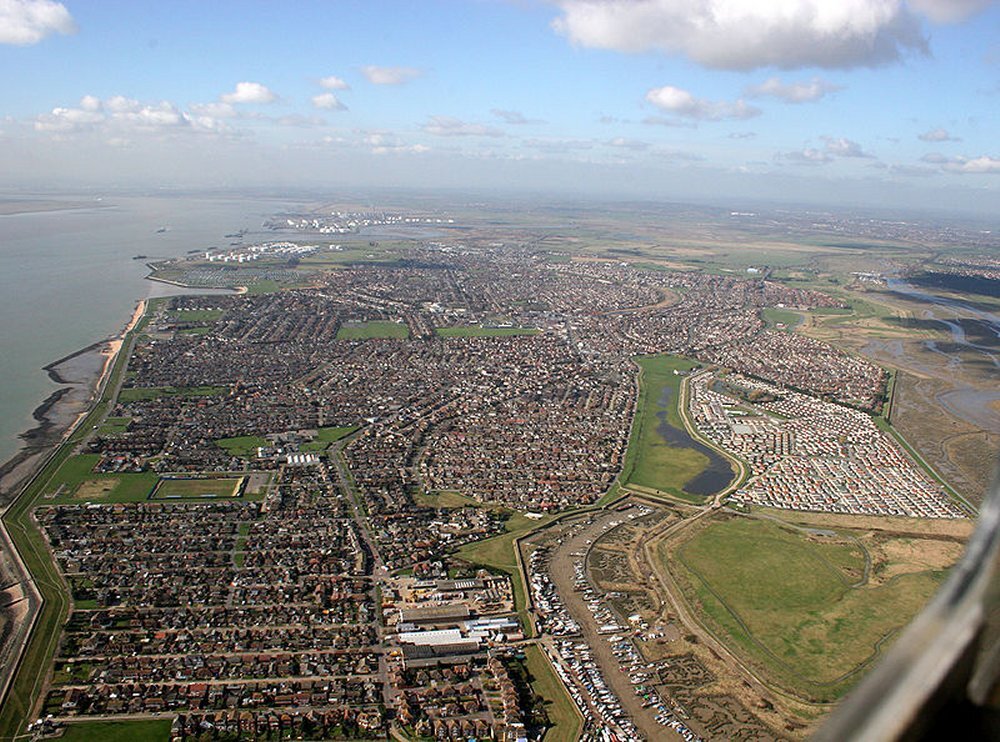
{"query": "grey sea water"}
[(67, 279)]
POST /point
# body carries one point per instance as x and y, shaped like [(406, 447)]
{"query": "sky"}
[(846, 102)]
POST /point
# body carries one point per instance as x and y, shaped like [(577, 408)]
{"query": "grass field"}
[(797, 605), (198, 330), (173, 489), (240, 548), (475, 331), (194, 315), (373, 329), (75, 481), (244, 446), (650, 460), (262, 286), (445, 499), (774, 316), (326, 436), (562, 713), (136, 393), (153, 730), (114, 426)]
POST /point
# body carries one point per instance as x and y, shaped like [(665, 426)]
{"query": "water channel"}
[(716, 475)]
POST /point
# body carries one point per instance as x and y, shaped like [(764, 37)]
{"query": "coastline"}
[(81, 376)]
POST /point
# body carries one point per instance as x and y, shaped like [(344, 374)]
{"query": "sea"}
[(68, 279)]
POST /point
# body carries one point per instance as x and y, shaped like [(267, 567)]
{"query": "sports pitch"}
[(174, 489)]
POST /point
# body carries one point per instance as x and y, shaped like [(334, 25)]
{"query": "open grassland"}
[(562, 713), (113, 426), (136, 393), (805, 608), (150, 730), (446, 499), (262, 286), (327, 436), (775, 316), (351, 254), (194, 315), (373, 329), (651, 462), (244, 446), (475, 331), (75, 481), (215, 487)]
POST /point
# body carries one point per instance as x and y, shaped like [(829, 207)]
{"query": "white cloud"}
[(301, 122), (842, 147), (26, 22), (793, 92), (119, 117), (333, 83), (215, 110), (983, 165), (514, 117), (383, 143), (937, 135), (807, 156), (949, 11), (155, 116), (448, 126), (328, 102), (389, 75), (681, 103), (747, 34), (65, 120), (121, 104), (249, 92), (635, 145)]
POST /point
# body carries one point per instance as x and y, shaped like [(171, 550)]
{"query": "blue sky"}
[(855, 101)]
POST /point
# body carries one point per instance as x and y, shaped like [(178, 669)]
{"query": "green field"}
[(240, 548), (774, 316), (198, 330), (114, 426), (154, 730), (373, 329), (194, 315), (136, 393), (651, 461), (262, 286), (244, 446), (326, 436), (562, 713), (215, 487), (445, 499), (799, 606), (475, 331), (75, 482)]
